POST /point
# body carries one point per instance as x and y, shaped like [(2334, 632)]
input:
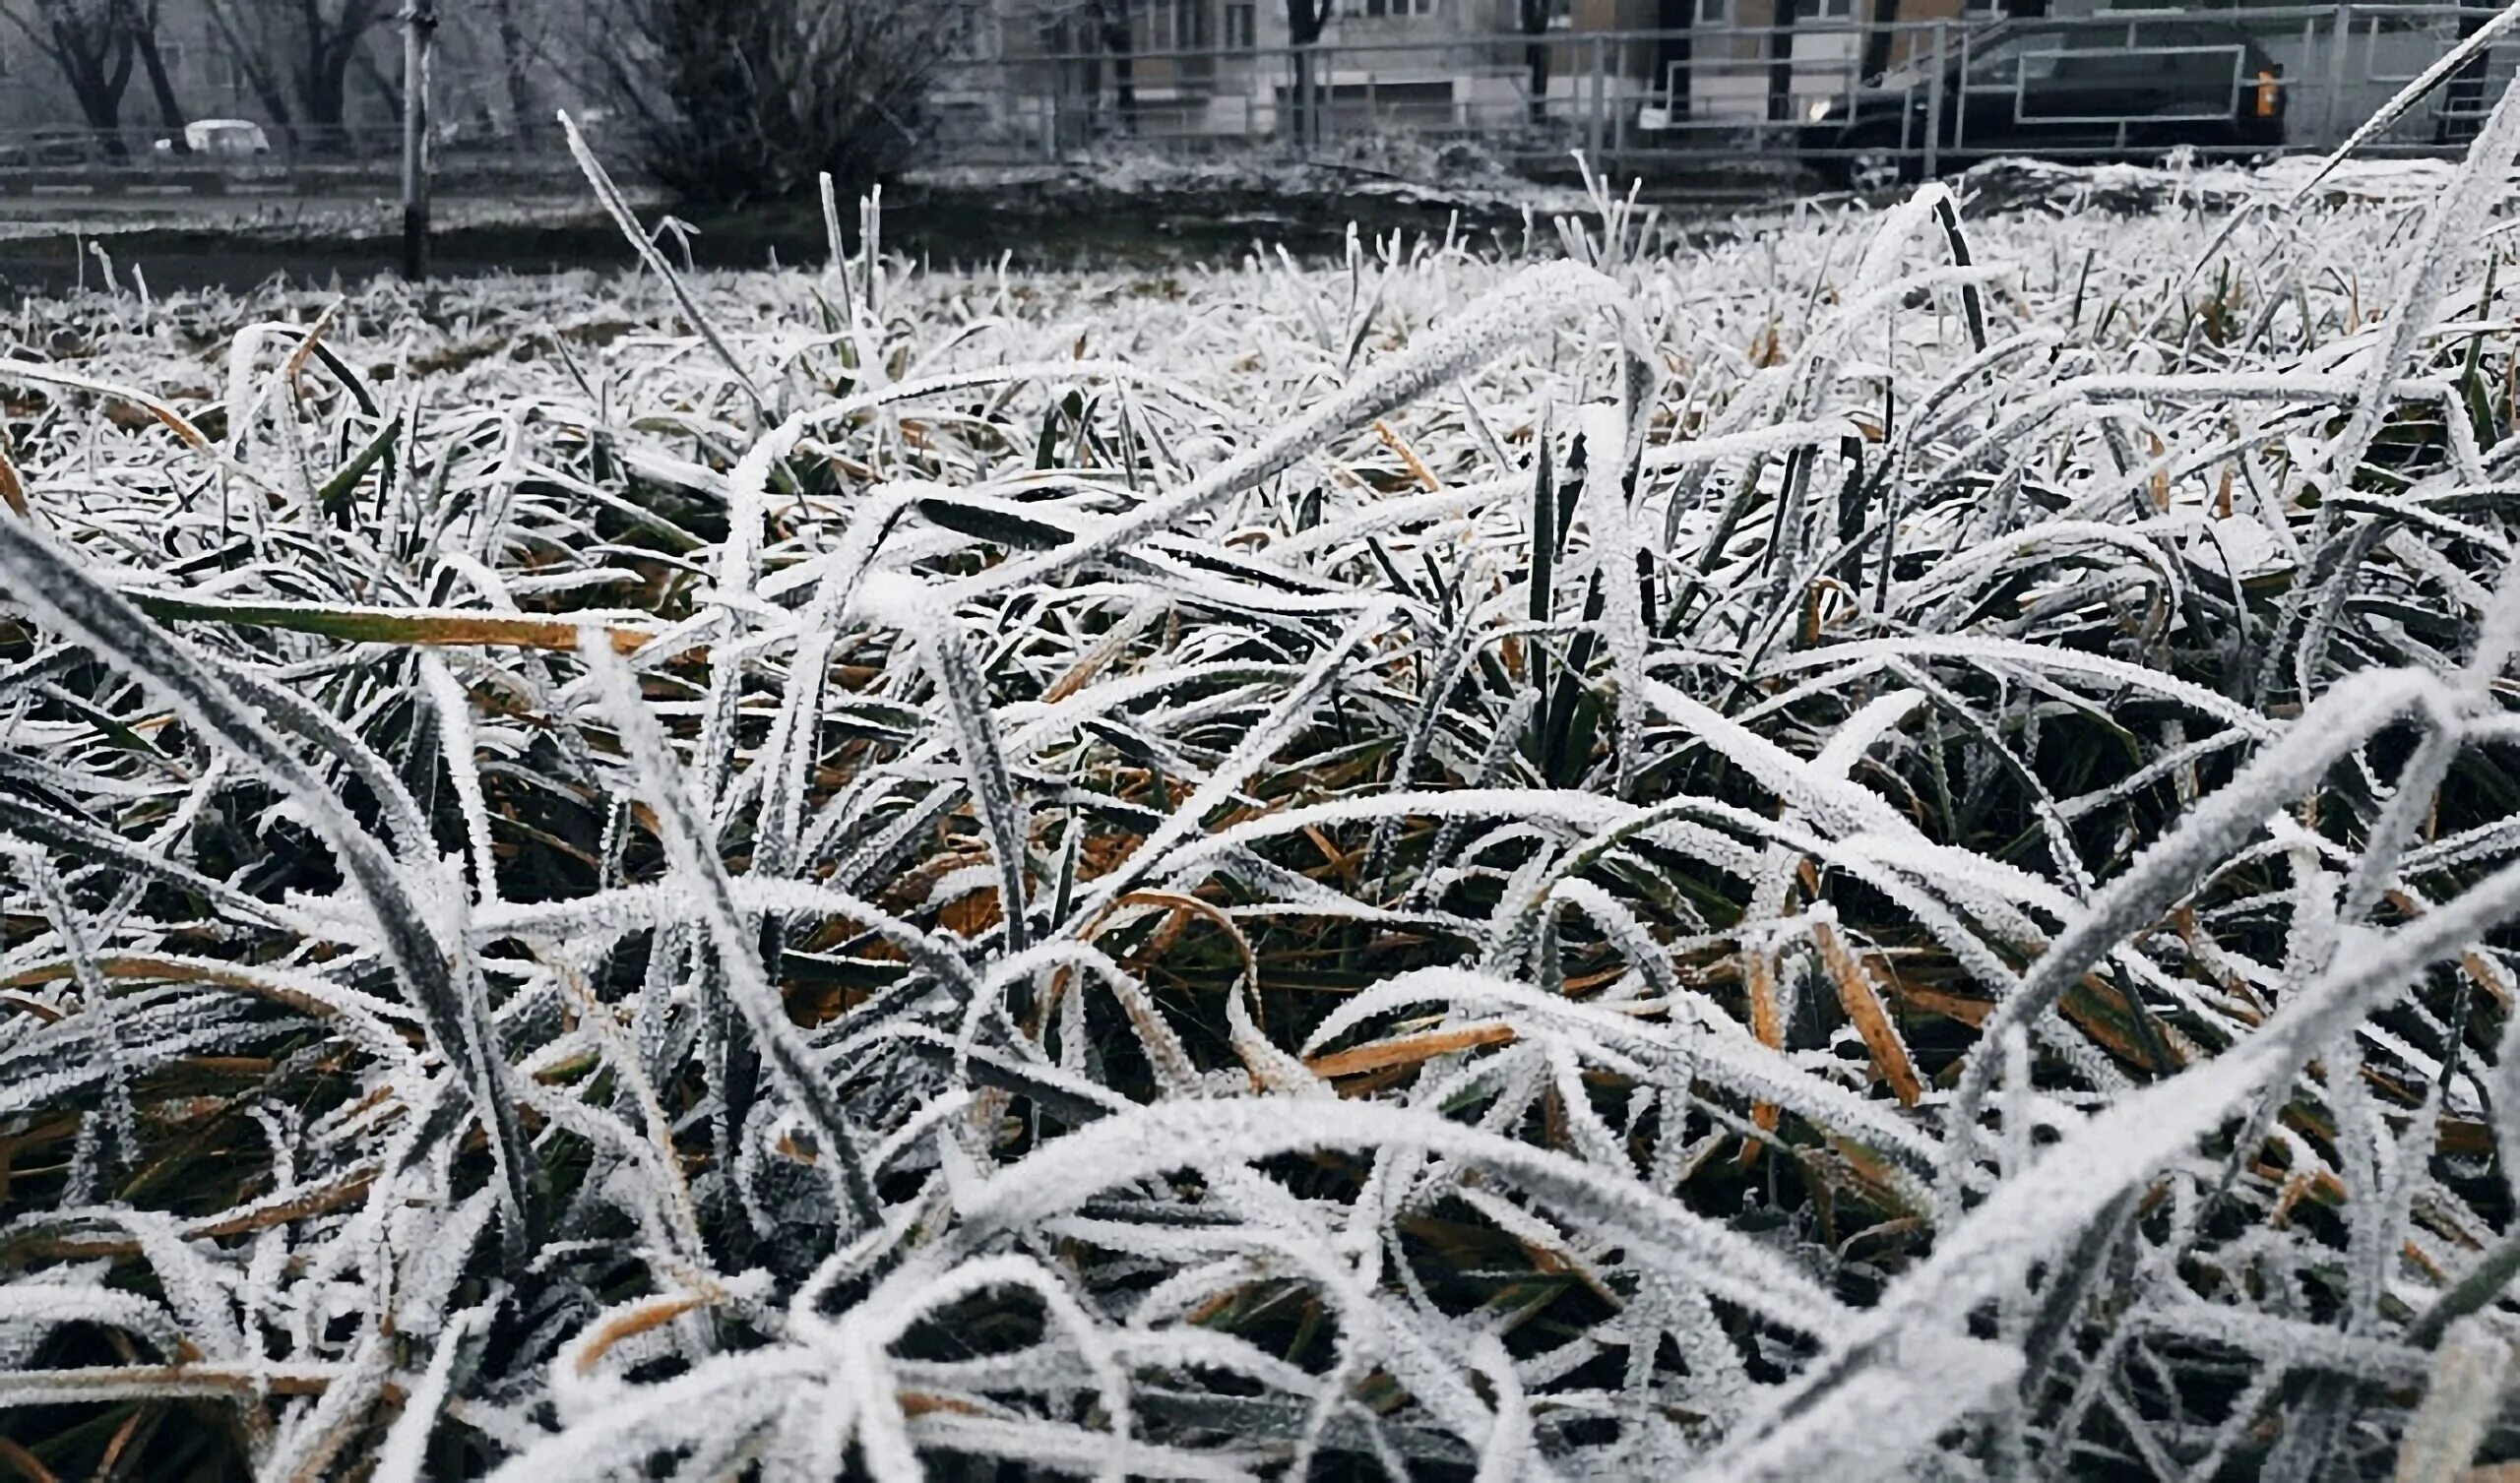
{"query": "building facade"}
[(1051, 74)]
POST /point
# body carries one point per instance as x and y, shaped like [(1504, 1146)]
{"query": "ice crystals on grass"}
[(1229, 904)]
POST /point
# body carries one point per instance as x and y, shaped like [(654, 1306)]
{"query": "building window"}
[(1815, 10), (972, 42), (1378, 7), (1178, 25), (1561, 14), (1241, 25), (1714, 11)]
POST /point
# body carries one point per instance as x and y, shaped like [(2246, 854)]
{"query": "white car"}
[(222, 139)]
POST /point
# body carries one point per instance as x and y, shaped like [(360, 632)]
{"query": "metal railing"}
[(1640, 102), (282, 160), (1643, 100)]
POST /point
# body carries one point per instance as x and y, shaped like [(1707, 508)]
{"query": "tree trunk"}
[(260, 80), (1535, 17), (170, 110), (323, 93), (97, 67), (1781, 64), (384, 81), (1112, 19), (1880, 38), (332, 46)]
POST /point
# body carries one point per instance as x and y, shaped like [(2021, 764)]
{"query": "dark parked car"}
[(2127, 90)]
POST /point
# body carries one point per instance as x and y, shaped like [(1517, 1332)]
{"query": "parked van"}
[(2133, 88)]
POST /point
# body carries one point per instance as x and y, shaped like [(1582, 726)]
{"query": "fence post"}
[(1325, 98), (2341, 42), (1593, 128), (1618, 108), (1933, 98)]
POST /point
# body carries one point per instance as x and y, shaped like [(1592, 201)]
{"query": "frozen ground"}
[(1873, 845)]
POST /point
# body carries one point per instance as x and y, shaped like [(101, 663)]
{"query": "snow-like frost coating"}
[(1266, 865)]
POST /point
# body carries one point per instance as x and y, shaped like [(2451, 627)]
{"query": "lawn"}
[(1868, 842)]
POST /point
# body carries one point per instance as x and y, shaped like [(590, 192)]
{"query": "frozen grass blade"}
[(660, 783), (975, 739), (50, 579), (618, 208)]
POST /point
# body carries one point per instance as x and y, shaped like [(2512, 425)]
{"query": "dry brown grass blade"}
[(435, 628), (2481, 971), (326, 1194), (151, 967), (13, 490), (295, 365), (1409, 459), (654, 1313), (1409, 1050), (1160, 1041), (1190, 906), (1863, 1005), (25, 1463), (917, 1404), (44, 375), (1102, 653), (1758, 973)]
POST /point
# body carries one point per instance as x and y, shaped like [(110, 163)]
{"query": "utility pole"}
[(419, 37)]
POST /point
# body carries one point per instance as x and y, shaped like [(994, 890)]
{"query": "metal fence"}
[(1940, 93), (270, 159), (1668, 100)]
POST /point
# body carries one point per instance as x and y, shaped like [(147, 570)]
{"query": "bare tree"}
[(385, 79), (330, 37), (255, 61), (143, 15), (93, 45), (1534, 19), (298, 55)]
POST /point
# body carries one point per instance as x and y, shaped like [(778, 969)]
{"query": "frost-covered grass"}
[(1875, 847)]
